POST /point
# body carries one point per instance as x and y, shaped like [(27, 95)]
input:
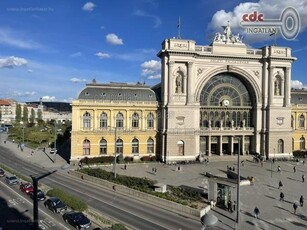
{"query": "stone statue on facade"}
[(227, 36), (179, 83)]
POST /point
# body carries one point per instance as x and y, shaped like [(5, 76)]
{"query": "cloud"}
[(89, 6), (271, 9), (24, 94), (77, 54), (156, 19), (17, 39), (77, 80), (151, 69), (296, 84), (30, 71), (11, 62), (102, 55), (48, 98), (114, 39)]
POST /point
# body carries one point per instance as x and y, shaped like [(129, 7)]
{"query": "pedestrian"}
[(301, 200), (294, 169), (13, 141), (280, 185), (282, 195), (273, 160), (44, 149), (278, 169), (294, 207), (155, 170), (80, 164), (229, 206), (261, 163), (303, 178), (256, 212), (125, 167)]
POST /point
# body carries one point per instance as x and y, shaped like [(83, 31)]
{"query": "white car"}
[(53, 151)]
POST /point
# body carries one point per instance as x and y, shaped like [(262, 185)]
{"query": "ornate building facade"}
[(224, 98), (114, 117)]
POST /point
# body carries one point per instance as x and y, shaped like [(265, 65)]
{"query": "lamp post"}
[(115, 139), (23, 136), (238, 183)]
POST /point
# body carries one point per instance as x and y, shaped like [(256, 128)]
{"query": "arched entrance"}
[(226, 113)]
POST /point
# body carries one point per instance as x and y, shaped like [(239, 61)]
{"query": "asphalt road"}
[(16, 211), (128, 210)]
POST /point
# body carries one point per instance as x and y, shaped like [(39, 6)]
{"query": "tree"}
[(25, 117), (32, 116), (39, 115), (18, 113)]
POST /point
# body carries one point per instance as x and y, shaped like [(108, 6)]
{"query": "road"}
[(128, 210), (16, 211)]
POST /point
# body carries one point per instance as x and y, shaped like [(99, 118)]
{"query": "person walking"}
[(256, 212), (278, 169), (280, 185), (282, 195), (301, 200), (294, 169), (303, 178), (294, 207)]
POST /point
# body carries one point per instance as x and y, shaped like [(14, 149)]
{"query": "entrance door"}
[(223, 195)]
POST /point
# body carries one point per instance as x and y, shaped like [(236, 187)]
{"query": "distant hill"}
[(53, 106)]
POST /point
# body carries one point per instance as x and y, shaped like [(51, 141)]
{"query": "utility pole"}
[(238, 184)]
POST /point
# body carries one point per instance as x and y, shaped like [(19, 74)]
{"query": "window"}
[(301, 121), (302, 143), (103, 121), (119, 146), (135, 145), (180, 146), (150, 145), (119, 120), (86, 147), (103, 146), (86, 120), (292, 122), (135, 120), (280, 146), (150, 121)]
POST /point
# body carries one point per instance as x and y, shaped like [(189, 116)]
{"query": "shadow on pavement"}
[(293, 179)]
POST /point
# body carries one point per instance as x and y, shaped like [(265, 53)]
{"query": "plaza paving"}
[(274, 214)]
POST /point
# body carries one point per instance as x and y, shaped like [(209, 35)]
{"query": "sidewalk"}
[(35, 156)]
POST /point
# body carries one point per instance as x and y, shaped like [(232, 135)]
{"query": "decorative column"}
[(287, 86), (221, 145), (209, 145), (170, 81), (190, 84), (271, 85)]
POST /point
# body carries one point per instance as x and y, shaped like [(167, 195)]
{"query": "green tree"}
[(18, 113), (25, 117), (32, 116)]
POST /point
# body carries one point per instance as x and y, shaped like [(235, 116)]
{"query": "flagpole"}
[(178, 27)]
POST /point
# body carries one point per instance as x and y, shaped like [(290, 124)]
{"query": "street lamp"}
[(23, 135), (115, 139), (238, 182)]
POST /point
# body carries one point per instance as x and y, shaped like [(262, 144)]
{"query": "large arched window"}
[(301, 121), (150, 145), (280, 146), (119, 120), (86, 120), (150, 121), (135, 120), (302, 143), (135, 145), (103, 146), (86, 147), (103, 120), (119, 146)]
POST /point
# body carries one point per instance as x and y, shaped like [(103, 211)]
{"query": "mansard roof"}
[(298, 96), (117, 92)]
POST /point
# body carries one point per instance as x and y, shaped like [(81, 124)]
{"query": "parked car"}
[(55, 204), (40, 195), (53, 151), (77, 219), (26, 187), (11, 180), (2, 173)]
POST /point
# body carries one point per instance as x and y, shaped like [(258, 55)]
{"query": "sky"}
[(50, 49)]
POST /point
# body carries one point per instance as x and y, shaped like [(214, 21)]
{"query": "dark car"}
[(2, 173), (40, 195), (77, 219), (55, 204), (11, 180)]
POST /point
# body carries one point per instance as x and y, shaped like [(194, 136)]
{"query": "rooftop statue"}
[(227, 36)]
